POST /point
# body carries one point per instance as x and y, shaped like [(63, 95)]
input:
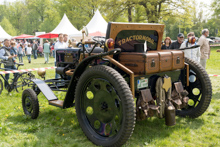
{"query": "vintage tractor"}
[(127, 77)]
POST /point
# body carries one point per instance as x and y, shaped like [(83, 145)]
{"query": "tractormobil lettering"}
[(136, 37)]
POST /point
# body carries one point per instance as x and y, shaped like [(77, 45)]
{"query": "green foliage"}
[(29, 16), (7, 26)]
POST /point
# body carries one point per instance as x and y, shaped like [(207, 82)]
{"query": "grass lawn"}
[(58, 127)]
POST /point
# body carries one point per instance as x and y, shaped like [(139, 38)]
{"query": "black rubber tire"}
[(127, 103), (1, 86), (206, 91), (30, 103)]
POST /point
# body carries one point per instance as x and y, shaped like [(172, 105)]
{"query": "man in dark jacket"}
[(35, 47), (177, 44)]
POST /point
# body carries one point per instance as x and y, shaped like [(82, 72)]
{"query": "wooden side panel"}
[(178, 59), (165, 61), (152, 63), (133, 61)]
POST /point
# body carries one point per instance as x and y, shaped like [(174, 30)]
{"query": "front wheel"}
[(30, 103), (105, 106)]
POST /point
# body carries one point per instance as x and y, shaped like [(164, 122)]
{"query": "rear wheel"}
[(30, 103), (200, 91), (105, 106)]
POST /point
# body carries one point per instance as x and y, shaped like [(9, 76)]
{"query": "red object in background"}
[(23, 36), (97, 34), (48, 35)]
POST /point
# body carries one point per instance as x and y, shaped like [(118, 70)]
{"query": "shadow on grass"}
[(153, 129)]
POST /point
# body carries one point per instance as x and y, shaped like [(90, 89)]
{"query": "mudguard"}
[(78, 72), (45, 89)]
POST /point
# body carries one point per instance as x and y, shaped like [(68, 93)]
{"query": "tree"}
[(7, 26), (39, 6)]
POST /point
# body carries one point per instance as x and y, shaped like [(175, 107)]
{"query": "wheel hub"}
[(28, 104), (104, 106)]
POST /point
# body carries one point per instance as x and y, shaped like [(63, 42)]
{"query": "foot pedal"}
[(57, 103)]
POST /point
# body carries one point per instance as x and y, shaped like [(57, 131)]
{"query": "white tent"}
[(3, 34), (66, 27), (97, 24)]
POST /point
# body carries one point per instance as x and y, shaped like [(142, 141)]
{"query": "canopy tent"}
[(48, 35), (23, 36), (97, 24), (66, 27), (97, 34), (3, 34)]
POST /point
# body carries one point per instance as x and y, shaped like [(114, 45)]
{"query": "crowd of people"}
[(27, 48), (199, 54)]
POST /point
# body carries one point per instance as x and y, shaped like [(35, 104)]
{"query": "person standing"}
[(40, 50), (167, 43), (13, 49), (6, 55), (65, 39), (20, 53), (194, 53), (25, 45), (204, 47), (59, 45), (29, 50), (177, 44), (35, 47), (46, 51)]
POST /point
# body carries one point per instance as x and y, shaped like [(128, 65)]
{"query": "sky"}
[(205, 3)]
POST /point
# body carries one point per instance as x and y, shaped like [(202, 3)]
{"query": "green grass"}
[(58, 127)]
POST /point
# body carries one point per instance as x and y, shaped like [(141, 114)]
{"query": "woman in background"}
[(20, 53), (167, 43), (40, 50)]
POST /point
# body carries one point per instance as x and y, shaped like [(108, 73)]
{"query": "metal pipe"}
[(125, 69)]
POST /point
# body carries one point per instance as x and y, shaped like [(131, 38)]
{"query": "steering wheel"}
[(97, 39)]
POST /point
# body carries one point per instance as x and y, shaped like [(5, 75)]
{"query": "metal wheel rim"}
[(101, 107), (28, 105), (195, 90)]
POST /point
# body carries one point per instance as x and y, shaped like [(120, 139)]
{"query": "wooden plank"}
[(57, 103)]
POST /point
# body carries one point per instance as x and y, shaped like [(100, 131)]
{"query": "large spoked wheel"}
[(200, 91), (30, 103), (1, 86), (105, 106)]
